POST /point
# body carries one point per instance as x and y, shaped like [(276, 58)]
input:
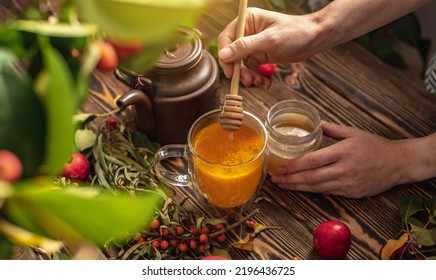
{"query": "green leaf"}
[(153, 21), (425, 237), (430, 207), (221, 252), (60, 256), (408, 29), (410, 205), (60, 104), (58, 29), (22, 116), (6, 248), (80, 120), (78, 214), (84, 138)]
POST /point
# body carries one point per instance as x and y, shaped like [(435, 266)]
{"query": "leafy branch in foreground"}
[(417, 239)]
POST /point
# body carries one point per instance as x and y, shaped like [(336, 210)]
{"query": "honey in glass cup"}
[(294, 128)]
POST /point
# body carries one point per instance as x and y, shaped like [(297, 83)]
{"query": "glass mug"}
[(225, 168)]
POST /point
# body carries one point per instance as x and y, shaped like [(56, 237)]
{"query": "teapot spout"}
[(142, 107)]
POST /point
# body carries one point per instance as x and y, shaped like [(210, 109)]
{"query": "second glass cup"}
[(294, 128)]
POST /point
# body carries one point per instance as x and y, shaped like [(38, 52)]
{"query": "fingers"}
[(246, 49), (249, 77), (314, 176), (310, 161), (338, 132)]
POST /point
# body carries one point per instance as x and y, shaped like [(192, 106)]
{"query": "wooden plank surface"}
[(348, 86)]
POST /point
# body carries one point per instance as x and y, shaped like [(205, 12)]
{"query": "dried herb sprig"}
[(123, 159)]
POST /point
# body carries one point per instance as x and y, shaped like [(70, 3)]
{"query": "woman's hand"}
[(270, 37), (360, 164)]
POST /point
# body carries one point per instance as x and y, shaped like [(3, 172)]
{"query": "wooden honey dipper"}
[(232, 111)]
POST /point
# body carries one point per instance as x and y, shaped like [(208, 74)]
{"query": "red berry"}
[(111, 122), (332, 240), (183, 247), (77, 169), (11, 168), (203, 238), (202, 248), (193, 244), (267, 69), (221, 237), (155, 224), (193, 230), (108, 57), (155, 244), (174, 242), (180, 230), (250, 224), (205, 229), (165, 232), (219, 227), (164, 244), (139, 238)]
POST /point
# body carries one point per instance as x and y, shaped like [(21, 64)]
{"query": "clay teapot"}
[(182, 86)]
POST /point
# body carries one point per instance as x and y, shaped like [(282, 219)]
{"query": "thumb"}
[(338, 132)]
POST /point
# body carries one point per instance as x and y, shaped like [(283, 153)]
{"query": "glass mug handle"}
[(172, 177)]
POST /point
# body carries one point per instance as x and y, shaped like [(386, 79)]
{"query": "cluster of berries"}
[(180, 239)]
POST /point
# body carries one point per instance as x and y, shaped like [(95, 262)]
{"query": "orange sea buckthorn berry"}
[(219, 227), (139, 239), (155, 244), (193, 230), (221, 237), (193, 244), (180, 230), (173, 242), (205, 229), (202, 248), (165, 232), (183, 247), (164, 244), (155, 224), (203, 238)]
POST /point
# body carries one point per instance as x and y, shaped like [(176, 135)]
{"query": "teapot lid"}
[(183, 56)]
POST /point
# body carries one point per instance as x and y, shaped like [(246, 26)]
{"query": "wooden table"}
[(348, 86)]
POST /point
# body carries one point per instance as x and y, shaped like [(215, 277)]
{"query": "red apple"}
[(108, 57), (214, 258), (77, 169), (332, 240), (11, 168), (125, 48)]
